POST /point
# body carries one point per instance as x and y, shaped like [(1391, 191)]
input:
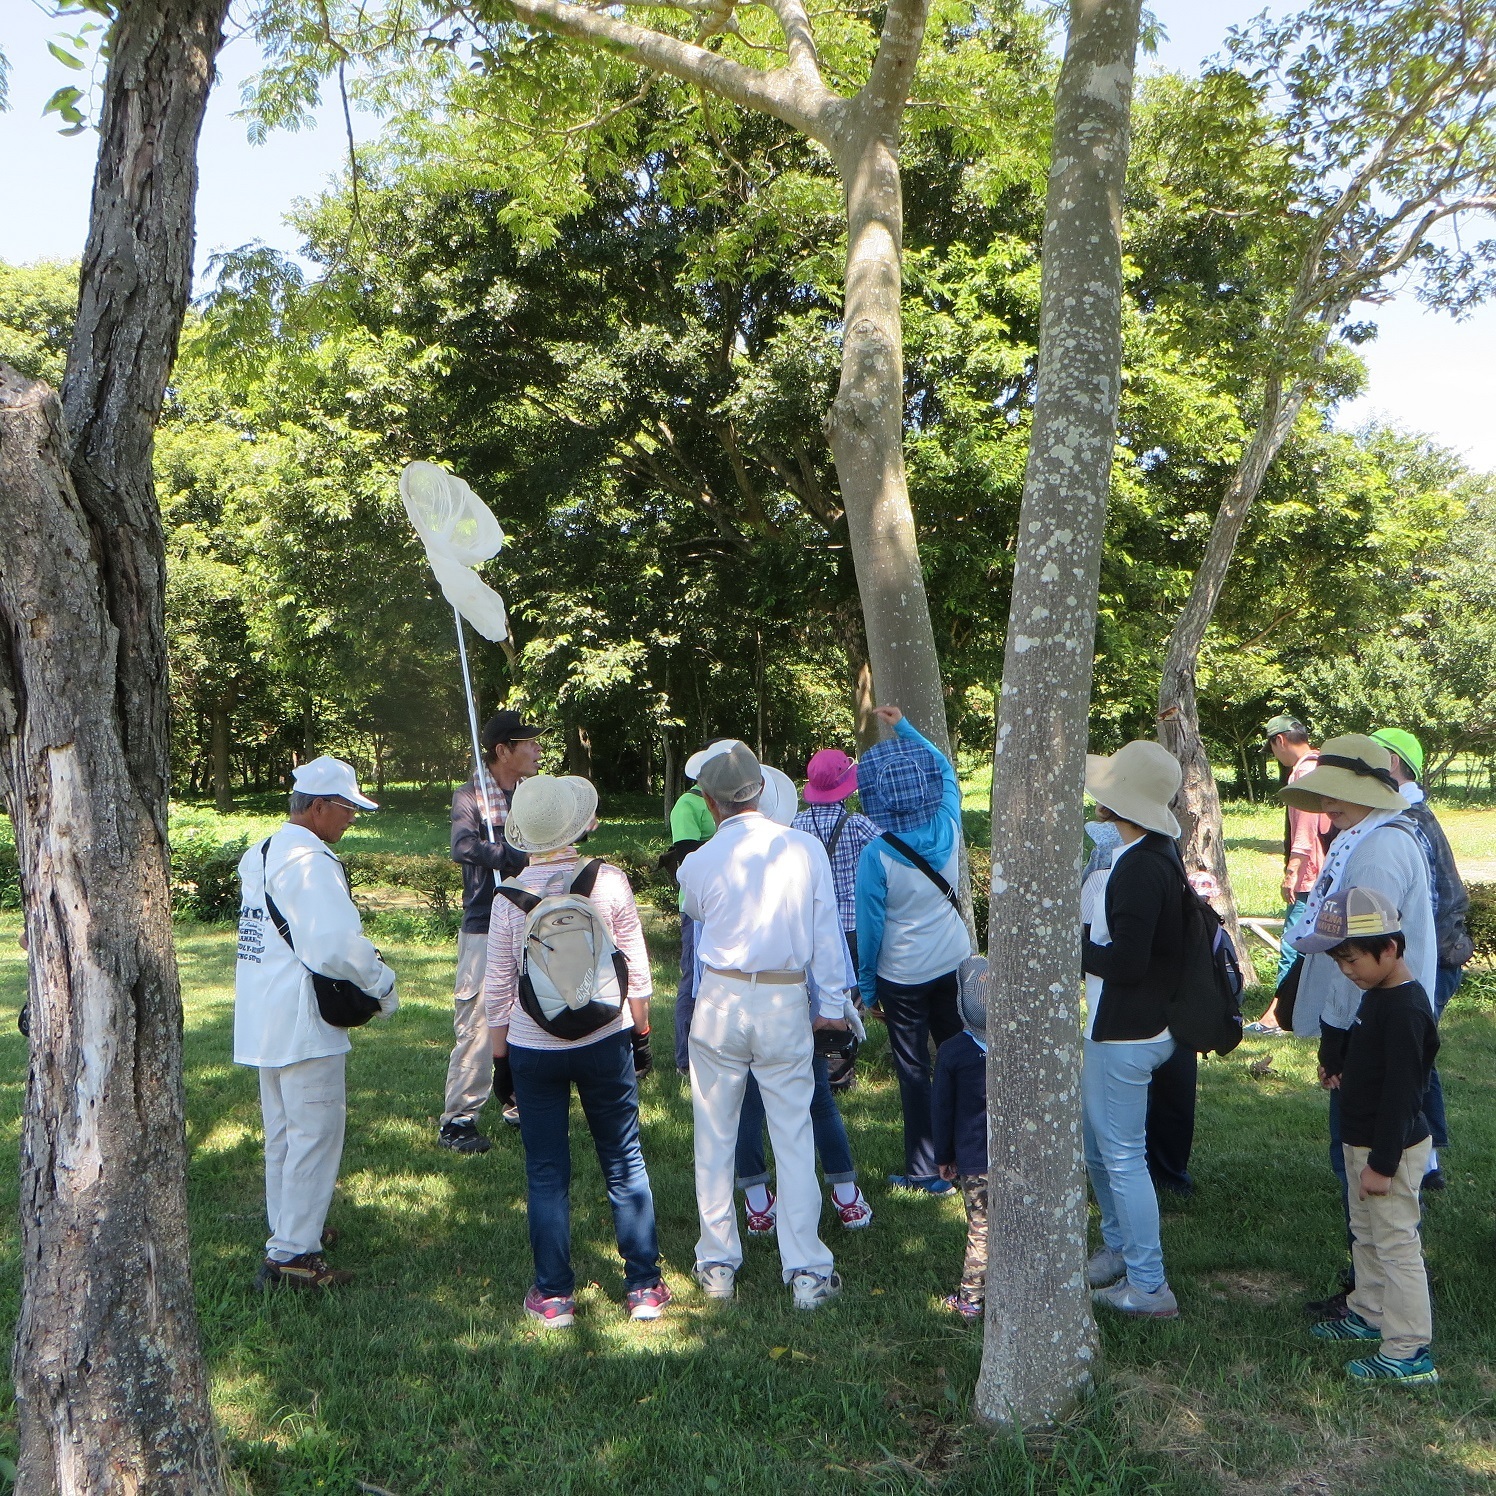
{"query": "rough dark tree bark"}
[(223, 787), (111, 1389), (1040, 1349)]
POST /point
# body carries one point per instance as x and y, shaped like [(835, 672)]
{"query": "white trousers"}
[(740, 1026), (470, 1070), (305, 1106)]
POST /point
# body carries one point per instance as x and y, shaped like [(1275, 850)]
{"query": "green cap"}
[(1283, 723), (1405, 746)]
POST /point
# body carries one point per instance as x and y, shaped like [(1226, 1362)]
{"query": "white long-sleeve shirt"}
[(767, 902), (276, 1021)]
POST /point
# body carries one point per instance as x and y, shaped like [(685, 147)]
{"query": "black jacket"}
[(478, 857), (1388, 1054), (1139, 970), (958, 1105)]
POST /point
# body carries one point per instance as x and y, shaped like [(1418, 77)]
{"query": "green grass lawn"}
[(425, 1377)]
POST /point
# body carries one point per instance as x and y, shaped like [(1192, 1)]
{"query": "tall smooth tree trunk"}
[(111, 1389), (1039, 1354), (223, 788), (859, 674), (1198, 803), (866, 421)]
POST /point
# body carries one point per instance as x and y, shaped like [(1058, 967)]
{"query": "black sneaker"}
[(1334, 1307), (462, 1136), (1433, 1180)]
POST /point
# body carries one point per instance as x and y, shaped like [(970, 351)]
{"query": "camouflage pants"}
[(974, 1271)]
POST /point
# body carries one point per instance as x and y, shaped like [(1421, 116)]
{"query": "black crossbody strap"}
[(925, 868), (836, 832), (271, 907), (586, 877)]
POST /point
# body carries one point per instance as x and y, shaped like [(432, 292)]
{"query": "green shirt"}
[(691, 820)]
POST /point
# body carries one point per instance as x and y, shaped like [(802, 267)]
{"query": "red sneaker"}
[(557, 1313), (760, 1222), (648, 1303), (856, 1214)]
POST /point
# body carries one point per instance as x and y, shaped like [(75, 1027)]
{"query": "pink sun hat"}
[(829, 776)]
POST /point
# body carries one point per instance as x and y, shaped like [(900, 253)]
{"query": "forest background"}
[(626, 337)]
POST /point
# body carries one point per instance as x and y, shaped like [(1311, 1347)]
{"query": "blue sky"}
[(1428, 373)]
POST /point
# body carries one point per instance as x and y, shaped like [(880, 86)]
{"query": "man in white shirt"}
[(293, 877), (766, 903)]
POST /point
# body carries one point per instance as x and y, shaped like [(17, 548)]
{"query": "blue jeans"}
[(916, 1013), (1114, 1093), (1286, 953), (825, 1118), (603, 1074), (1447, 981), (685, 992)]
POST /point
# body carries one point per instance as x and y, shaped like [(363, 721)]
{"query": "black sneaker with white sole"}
[(462, 1136)]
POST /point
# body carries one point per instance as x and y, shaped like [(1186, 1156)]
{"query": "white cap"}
[(780, 799), (712, 750), (330, 776)]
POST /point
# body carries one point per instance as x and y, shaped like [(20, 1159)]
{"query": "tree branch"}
[(785, 94)]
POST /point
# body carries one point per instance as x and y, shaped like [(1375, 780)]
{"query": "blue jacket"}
[(935, 841)]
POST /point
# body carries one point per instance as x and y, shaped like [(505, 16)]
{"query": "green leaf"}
[(62, 101), (66, 58)]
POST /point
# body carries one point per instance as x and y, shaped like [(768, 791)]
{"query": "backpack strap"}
[(521, 898), (586, 877), (924, 867)]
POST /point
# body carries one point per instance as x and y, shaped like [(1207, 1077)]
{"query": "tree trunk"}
[(111, 1389), (579, 751), (1040, 1350), (1198, 804), (859, 675), (223, 790), (866, 421)]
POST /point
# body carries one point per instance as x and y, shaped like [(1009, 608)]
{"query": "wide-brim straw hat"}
[(549, 812), (1353, 768), (1138, 783)]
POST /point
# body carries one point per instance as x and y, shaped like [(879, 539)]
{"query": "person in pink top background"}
[(1305, 836)]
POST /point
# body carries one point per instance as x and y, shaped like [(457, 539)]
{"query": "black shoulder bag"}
[(341, 1003)]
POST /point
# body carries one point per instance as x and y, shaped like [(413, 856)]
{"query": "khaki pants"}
[(470, 1070), (1391, 1289), (973, 1288), (740, 1026), (305, 1107)]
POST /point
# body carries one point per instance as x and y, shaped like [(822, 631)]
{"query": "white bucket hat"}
[(549, 812), (331, 777), (780, 799), (1137, 782)]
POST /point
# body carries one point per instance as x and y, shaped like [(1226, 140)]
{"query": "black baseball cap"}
[(508, 727)]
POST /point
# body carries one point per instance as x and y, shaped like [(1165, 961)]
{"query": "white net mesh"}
[(458, 530)]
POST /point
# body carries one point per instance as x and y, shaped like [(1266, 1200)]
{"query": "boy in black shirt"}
[(1381, 1072)]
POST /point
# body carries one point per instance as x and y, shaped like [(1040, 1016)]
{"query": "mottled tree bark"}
[(1040, 1349), (111, 1389)]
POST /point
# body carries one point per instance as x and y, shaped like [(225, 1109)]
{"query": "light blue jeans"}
[(1114, 1092)]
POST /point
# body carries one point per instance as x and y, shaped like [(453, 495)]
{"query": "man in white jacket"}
[(277, 1024)]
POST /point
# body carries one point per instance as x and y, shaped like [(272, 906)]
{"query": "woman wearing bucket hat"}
[(547, 817), (1376, 846), (1131, 959), (911, 937)]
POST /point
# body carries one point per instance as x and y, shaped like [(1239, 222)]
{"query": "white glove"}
[(389, 1001), (854, 1019)]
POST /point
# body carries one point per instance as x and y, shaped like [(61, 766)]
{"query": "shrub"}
[(1481, 920), (436, 878), (205, 876)]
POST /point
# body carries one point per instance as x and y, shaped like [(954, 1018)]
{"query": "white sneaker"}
[(811, 1290), (1105, 1266), (716, 1279), (1125, 1299), (856, 1213)]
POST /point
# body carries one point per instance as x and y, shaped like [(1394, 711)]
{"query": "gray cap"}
[(731, 775)]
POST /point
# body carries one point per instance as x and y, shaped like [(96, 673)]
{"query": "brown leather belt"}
[(767, 978)]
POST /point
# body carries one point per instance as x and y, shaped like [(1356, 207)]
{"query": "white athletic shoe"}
[(1125, 1299), (811, 1290), (716, 1279)]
